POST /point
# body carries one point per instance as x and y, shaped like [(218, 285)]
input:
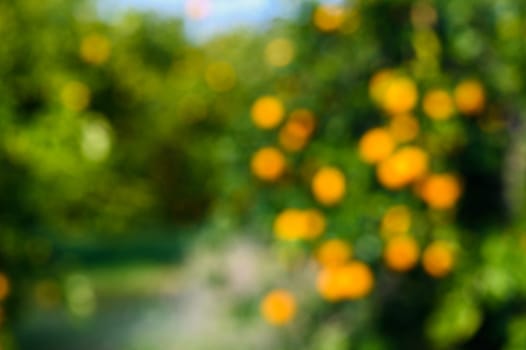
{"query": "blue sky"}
[(224, 14)]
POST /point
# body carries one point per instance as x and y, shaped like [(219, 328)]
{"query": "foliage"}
[(381, 142)]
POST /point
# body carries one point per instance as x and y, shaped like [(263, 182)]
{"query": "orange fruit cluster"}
[(340, 277), (296, 132), (402, 251), (400, 160), (403, 167), (267, 112), (398, 166), (352, 280)]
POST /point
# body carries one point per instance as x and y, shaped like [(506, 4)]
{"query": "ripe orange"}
[(328, 186), (291, 224), (328, 18), (440, 191), (296, 132), (267, 112), (268, 164), (379, 83), (401, 253), (278, 307), (328, 284), (316, 223), (5, 286), (376, 145), (438, 259), (438, 104), (402, 167), (400, 96), (334, 252), (470, 97), (356, 279), (353, 280)]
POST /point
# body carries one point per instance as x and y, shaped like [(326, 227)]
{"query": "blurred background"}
[(262, 174)]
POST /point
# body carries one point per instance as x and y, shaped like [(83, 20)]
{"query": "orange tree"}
[(386, 140), (380, 141), (98, 123)]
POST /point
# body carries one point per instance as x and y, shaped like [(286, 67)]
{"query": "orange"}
[(328, 186), (329, 18), (376, 145), (438, 104), (5, 286), (356, 280), (403, 167), (291, 224), (278, 307), (289, 142), (328, 284), (470, 97), (267, 112), (404, 127), (334, 252), (268, 164), (295, 133), (440, 191), (396, 221), (400, 96), (379, 83), (438, 259), (401, 253), (316, 223), (353, 280)]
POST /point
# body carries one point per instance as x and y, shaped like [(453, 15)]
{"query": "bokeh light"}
[(95, 49), (279, 52), (220, 76)]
